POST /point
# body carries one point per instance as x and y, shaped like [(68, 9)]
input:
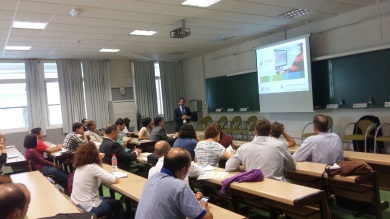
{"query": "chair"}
[(236, 121), (365, 126), (204, 122), (308, 134), (380, 138), (222, 121), (250, 126)]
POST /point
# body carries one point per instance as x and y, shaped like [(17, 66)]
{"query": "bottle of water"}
[(114, 163)]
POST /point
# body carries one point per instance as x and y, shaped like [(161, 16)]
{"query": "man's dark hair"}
[(181, 98), (30, 141), (157, 120), (89, 124), (110, 129), (119, 121), (76, 126), (11, 198), (36, 131), (82, 121), (175, 162), (320, 122), (145, 121), (127, 122), (187, 131), (263, 127)]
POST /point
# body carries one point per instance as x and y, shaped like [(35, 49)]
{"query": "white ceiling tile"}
[(32, 17), (6, 15), (8, 5), (37, 7)]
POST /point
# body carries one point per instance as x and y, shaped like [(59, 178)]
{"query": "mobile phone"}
[(205, 198)]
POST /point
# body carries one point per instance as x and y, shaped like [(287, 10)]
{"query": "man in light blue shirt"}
[(321, 148), (166, 195)]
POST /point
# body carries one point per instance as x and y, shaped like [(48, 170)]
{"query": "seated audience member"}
[(278, 129), (91, 126), (120, 123), (187, 139), (110, 146), (147, 126), (85, 123), (3, 152), (93, 133), (14, 201), (42, 147), (166, 195), (161, 148), (158, 133), (224, 140), (264, 153), (321, 148), (72, 141), (87, 178), (39, 163), (209, 151), (126, 129)]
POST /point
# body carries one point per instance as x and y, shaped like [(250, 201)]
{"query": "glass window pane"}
[(13, 118), (55, 116), (13, 95), (12, 71), (156, 69), (50, 70), (53, 93)]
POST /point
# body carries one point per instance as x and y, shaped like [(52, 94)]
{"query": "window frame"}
[(48, 80)]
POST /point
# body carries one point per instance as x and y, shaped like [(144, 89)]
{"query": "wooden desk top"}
[(14, 157), (379, 159), (293, 149), (200, 134), (275, 190), (142, 158), (46, 200), (132, 187)]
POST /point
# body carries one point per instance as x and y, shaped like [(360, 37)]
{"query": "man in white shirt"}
[(321, 148), (270, 156)]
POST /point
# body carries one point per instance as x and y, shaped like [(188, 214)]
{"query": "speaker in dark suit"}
[(182, 114)]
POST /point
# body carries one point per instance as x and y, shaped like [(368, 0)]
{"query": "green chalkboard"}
[(353, 78), (236, 92)]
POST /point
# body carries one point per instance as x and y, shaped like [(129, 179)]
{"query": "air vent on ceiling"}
[(294, 13), (223, 37)]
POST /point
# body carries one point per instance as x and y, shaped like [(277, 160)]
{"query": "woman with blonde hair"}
[(87, 178)]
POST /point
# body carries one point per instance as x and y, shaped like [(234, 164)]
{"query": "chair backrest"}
[(251, 122), (363, 125), (206, 121), (330, 123), (222, 121), (236, 121)]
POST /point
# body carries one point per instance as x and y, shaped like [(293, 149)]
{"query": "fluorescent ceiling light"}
[(29, 25), (109, 50), (143, 32), (294, 13), (17, 47), (200, 3)]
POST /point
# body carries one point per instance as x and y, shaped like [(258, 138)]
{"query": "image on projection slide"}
[(283, 68)]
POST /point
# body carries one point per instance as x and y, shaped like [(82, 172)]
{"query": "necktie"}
[(182, 111)]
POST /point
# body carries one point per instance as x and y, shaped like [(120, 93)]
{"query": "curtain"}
[(36, 95), (171, 86), (145, 88), (71, 92), (97, 85)]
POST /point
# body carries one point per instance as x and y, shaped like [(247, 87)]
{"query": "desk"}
[(132, 186), (46, 200), (16, 160), (362, 188), (200, 135), (276, 192), (145, 145)]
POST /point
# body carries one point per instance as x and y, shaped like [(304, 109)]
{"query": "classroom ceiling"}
[(107, 24)]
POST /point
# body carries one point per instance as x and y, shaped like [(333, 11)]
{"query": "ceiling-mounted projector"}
[(181, 32)]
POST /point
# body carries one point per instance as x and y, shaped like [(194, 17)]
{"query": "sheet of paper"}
[(208, 168), (229, 149), (120, 174), (213, 175), (9, 146)]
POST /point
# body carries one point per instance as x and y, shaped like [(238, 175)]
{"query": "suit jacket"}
[(110, 147), (158, 133), (178, 115)]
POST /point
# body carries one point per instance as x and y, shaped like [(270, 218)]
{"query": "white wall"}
[(353, 31)]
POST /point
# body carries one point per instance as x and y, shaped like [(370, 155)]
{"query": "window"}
[(52, 94), (158, 88), (13, 96)]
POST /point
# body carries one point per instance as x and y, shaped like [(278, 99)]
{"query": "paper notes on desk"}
[(229, 149), (213, 175), (208, 168), (120, 174), (9, 146)]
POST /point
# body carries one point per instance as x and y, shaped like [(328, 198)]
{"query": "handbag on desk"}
[(349, 168)]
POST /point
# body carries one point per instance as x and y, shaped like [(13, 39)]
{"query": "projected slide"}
[(283, 67)]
